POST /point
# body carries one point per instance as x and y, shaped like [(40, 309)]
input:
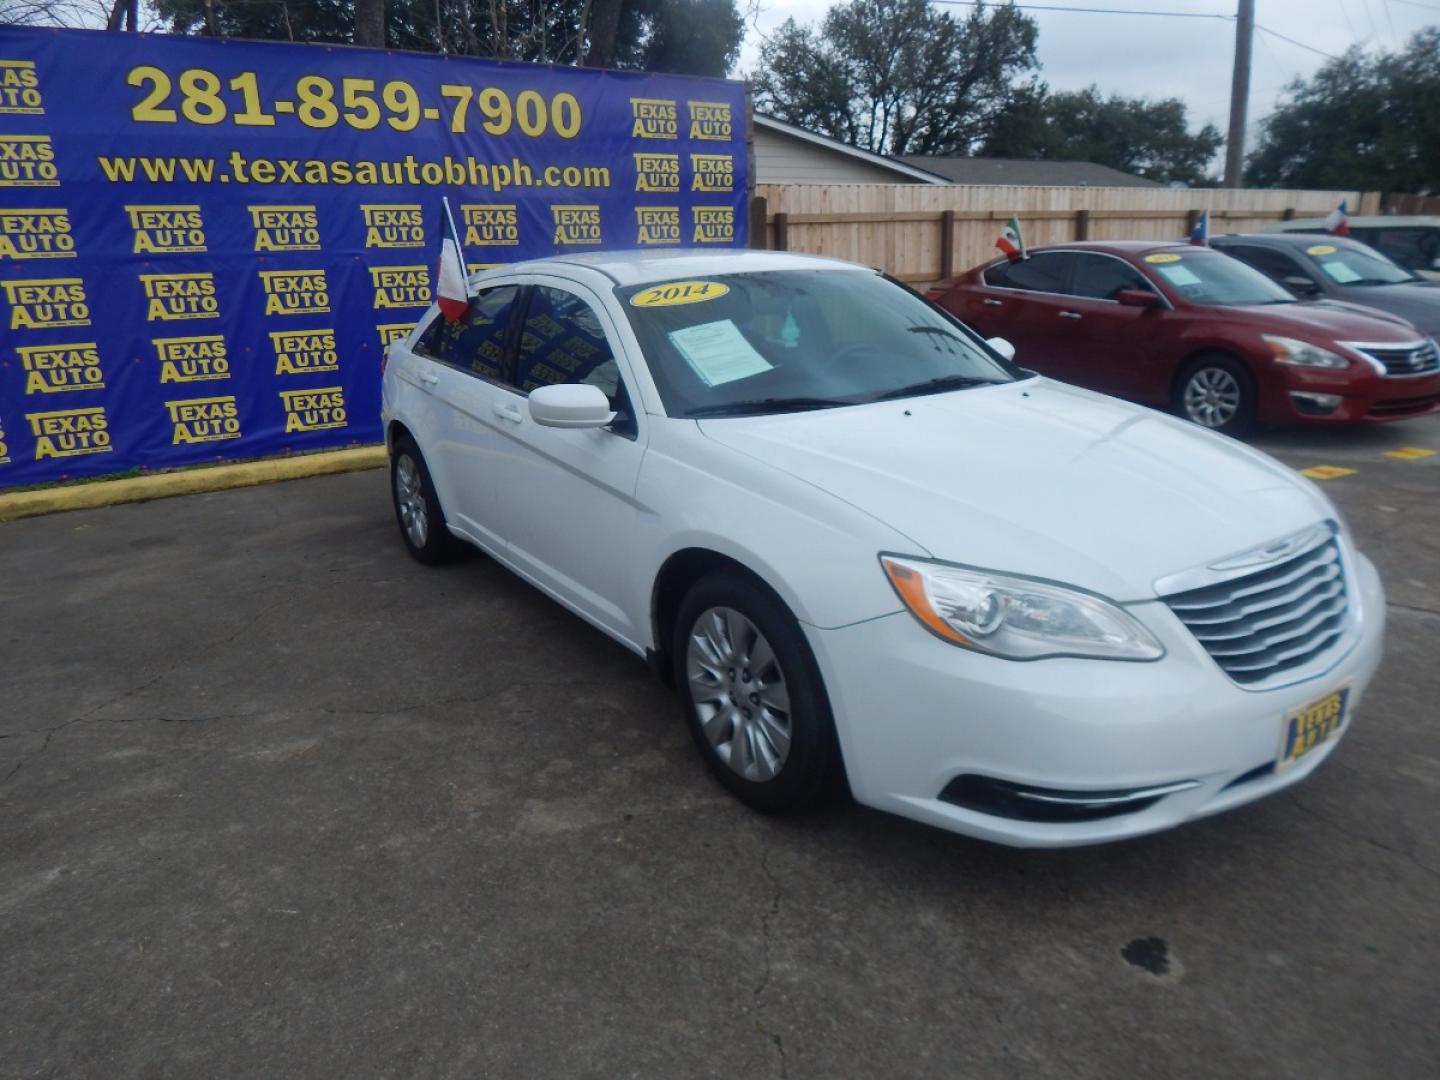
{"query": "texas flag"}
[(451, 285), (1338, 223), (1200, 234), (1011, 241)]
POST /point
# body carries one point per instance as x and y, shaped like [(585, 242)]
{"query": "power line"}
[(1132, 11), (1090, 10), (1412, 3), (1297, 44), (1374, 26), (1289, 74), (1346, 12)]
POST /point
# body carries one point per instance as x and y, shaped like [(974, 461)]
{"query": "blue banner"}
[(205, 246)]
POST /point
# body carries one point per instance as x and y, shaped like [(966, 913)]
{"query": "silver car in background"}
[(1338, 270), (1410, 241)]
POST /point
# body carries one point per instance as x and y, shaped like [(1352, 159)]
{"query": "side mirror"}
[(1435, 263), (1300, 284), (1003, 347), (570, 405), (1142, 298)]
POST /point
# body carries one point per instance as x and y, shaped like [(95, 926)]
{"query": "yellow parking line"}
[(1410, 453), (1325, 472)]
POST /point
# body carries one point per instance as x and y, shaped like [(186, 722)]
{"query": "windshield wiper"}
[(765, 405), (938, 386)]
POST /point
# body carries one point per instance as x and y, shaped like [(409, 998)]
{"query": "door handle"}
[(506, 411), (994, 303), (428, 378), (1069, 315)]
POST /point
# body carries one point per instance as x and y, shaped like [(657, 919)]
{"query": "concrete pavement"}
[(278, 801)]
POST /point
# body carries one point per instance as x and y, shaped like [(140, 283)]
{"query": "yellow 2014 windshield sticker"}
[(1320, 249), (1162, 257), (678, 292)]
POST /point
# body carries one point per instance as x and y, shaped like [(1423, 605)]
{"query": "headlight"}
[(1303, 354), (1015, 618)]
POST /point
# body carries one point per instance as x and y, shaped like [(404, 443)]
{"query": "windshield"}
[(1208, 277), (1413, 247), (782, 341), (1356, 265)]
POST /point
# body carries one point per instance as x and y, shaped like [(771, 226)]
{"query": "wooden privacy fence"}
[(924, 233), (1412, 204)]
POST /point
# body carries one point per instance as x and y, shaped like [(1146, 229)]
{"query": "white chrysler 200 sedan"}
[(872, 552)]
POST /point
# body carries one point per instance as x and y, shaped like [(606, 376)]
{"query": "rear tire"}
[(417, 507), (1217, 392), (752, 696)]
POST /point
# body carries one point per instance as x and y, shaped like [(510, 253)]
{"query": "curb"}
[(25, 504)]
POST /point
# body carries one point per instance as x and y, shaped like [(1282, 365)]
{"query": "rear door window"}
[(1048, 271), (474, 343)]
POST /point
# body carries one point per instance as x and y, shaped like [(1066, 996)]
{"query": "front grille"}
[(1278, 618), (1408, 360)]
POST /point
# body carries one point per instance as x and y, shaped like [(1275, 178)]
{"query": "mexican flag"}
[(452, 290), (1011, 241)]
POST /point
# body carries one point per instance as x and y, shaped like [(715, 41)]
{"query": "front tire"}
[(417, 507), (752, 696), (1217, 392)]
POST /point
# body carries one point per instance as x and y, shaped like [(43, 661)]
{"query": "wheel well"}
[(681, 571), (394, 432), (1189, 362)]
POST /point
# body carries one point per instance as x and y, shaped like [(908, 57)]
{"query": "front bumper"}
[(1364, 395), (913, 713)]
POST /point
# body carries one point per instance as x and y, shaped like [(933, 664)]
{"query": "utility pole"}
[(1239, 94)]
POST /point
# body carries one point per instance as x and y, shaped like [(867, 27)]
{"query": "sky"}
[(1188, 58)]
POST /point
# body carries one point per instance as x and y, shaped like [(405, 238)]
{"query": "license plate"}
[(1311, 725)]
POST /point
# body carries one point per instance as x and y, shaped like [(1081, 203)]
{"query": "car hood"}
[(1323, 321), (1418, 302), (1039, 478)]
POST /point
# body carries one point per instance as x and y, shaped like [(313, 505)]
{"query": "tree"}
[(370, 23), (1366, 121), (91, 14), (897, 76), (699, 37), (1149, 138), (686, 37)]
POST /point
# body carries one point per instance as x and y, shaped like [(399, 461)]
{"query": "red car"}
[(1183, 326)]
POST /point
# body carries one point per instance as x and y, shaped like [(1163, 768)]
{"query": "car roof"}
[(1367, 221), (1117, 247), (638, 267), (1287, 240)]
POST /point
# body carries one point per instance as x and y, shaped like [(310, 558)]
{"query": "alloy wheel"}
[(739, 693), (1212, 397), (410, 499)]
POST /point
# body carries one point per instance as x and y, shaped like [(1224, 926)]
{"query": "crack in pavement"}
[(51, 732), (767, 939), (1352, 834), (1412, 609)]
